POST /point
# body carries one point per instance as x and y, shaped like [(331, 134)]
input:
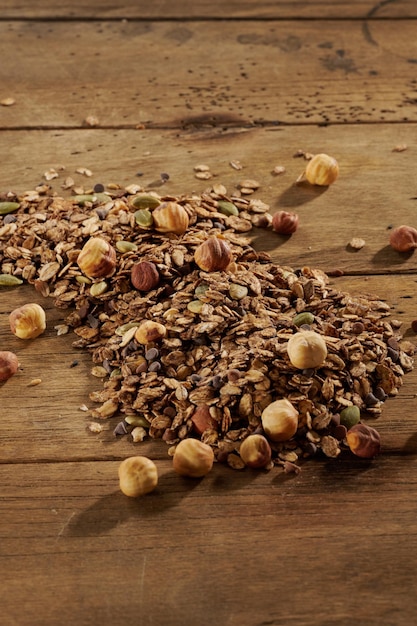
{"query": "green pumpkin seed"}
[(122, 330), (200, 291), (227, 208), (195, 306), (144, 218), (91, 197), (145, 201), (126, 246), (303, 318), (237, 292), (97, 289), (83, 280), (137, 420), (350, 416), (8, 207), (8, 280)]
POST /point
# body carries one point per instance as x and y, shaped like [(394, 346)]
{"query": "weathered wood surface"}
[(208, 73), (334, 545), (183, 9)]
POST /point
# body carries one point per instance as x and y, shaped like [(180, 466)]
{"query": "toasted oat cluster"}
[(187, 351)]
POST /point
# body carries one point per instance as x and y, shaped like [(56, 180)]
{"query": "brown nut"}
[(138, 476), (284, 223), (150, 331), (403, 238), (255, 451), (170, 217), (97, 258), (8, 364), (322, 170), (28, 321), (364, 441), (144, 276), (213, 255), (193, 458), (306, 349), (202, 419), (280, 420)]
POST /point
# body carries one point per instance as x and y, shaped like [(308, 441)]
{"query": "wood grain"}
[(173, 85), (228, 547), (195, 74), (235, 9)]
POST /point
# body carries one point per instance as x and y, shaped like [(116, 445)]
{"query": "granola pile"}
[(223, 357)]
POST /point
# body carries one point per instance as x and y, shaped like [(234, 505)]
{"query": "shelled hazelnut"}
[(28, 321), (213, 255), (138, 476), (322, 170), (193, 458), (284, 222), (403, 238), (280, 420), (8, 364), (149, 331), (306, 349), (170, 217), (363, 440), (255, 451), (97, 258), (144, 276)]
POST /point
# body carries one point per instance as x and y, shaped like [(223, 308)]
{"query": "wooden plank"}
[(223, 550), (374, 192), (236, 9), (178, 75)]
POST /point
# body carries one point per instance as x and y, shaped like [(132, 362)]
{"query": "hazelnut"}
[(202, 419), (144, 276), (280, 420), (284, 223), (193, 458), (170, 217), (8, 365), (255, 451), (138, 475), (322, 170), (97, 258), (306, 349), (213, 255), (150, 331), (403, 238), (28, 321), (364, 441)]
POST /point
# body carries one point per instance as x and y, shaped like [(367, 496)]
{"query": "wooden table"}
[(158, 87)]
